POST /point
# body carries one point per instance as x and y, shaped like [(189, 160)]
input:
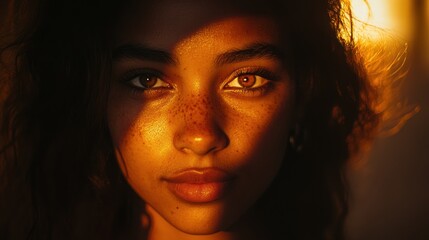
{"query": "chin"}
[(202, 220)]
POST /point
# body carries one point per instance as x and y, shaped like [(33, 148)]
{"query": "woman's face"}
[(200, 109)]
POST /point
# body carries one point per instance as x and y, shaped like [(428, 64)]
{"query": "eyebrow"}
[(138, 51), (258, 50)]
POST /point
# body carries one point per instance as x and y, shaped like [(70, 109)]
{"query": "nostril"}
[(198, 130), (200, 141)]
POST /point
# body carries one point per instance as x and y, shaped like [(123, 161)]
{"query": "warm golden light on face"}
[(199, 143)]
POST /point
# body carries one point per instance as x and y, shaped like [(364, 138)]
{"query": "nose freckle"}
[(198, 130)]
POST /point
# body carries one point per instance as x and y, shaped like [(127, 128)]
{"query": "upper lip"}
[(200, 176)]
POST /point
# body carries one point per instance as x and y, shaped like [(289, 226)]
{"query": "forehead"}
[(164, 23)]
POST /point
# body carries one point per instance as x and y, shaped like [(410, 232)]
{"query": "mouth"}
[(200, 185)]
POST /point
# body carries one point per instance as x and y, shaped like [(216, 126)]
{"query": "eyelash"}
[(255, 71), (129, 76)]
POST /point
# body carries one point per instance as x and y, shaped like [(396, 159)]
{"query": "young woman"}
[(178, 120)]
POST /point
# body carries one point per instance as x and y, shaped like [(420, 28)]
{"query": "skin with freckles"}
[(213, 97)]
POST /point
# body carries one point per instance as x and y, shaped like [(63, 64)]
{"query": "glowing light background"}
[(392, 15), (389, 191)]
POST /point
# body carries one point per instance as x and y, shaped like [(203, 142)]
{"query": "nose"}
[(199, 131)]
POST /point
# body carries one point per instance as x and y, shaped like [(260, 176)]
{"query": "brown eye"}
[(247, 81), (147, 82)]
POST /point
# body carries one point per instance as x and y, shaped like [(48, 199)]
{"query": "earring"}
[(296, 138)]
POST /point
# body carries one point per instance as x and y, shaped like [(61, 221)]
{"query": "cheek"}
[(138, 154), (260, 136), (260, 130), (121, 116), (136, 134), (132, 123)]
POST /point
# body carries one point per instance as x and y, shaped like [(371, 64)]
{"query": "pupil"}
[(247, 81), (147, 81)]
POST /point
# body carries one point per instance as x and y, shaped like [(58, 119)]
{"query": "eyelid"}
[(257, 71), (140, 71), (133, 74)]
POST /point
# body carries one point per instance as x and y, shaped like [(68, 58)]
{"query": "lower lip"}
[(199, 192)]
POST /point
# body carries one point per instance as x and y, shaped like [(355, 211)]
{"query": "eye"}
[(247, 81), (146, 81), (252, 81)]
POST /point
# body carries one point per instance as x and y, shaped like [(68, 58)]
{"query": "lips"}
[(200, 185)]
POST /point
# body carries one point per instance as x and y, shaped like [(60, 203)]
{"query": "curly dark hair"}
[(59, 178)]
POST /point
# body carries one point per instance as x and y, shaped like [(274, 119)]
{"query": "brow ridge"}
[(138, 51), (257, 50)]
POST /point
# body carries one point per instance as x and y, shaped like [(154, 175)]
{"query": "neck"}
[(249, 227)]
